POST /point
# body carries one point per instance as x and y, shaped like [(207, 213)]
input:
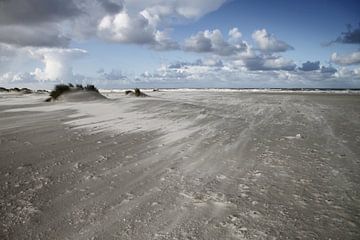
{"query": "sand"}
[(181, 165)]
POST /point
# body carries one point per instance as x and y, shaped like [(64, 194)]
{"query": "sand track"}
[(181, 165)]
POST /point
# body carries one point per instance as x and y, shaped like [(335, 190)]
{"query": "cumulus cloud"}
[(279, 63), (269, 43), (85, 25), (139, 22), (229, 73), (17, 78), (46, 29), (113, 75), (214, 42), (268, 63), (57, 63), (122, 28), (329, 69), (174, 10), (346, 59), (191, 76), (346, 73), (196, 9), (310, 66), (235, 36), (198, 43), (201, 70), (54, 23), (210, 62), (163, 42)]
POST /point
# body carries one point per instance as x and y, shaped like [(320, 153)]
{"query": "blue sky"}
[(162, 43)]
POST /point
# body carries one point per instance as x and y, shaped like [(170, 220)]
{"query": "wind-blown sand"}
[(181, 165)]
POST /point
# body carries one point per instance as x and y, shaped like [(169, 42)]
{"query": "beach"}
[(181, 165)]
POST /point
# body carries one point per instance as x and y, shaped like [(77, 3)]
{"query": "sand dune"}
[(81, 96), (181, 165)]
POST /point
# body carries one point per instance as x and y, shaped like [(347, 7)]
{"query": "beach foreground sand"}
[(181, 165)]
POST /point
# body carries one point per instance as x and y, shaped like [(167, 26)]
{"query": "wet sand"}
[(181, 165)]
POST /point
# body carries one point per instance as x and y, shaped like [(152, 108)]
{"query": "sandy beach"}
[(181, 165)]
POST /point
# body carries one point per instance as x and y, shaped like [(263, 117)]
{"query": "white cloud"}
[(54, 23), (279, 63), (196, 9), (347, 59), (36, 64), (123, 28), (16, 78), (142, 21), (213, 42), (198, 43), (113, 75), (266, 63), (157, 14), (269, 43), (163, 42), (57, 63), (188, 9), (345, 72), (230, 75), (139, 21), (263, 70), (235, 36)]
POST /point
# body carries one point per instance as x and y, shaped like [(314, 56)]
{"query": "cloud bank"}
[(346, 59)]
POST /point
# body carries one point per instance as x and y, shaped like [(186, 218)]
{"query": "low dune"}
[(16, 90), (136, 93), (81, 96), (72, 93)]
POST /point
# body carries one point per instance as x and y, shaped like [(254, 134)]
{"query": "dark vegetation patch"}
[(60, 89), (17, 90), (136, 93)]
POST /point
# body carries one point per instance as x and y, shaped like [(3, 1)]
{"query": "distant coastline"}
[(254, 90), (264, 90)]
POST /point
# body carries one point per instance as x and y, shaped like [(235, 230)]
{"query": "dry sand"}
[(181, 165)]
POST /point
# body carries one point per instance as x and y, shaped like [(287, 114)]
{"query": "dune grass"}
[(16, 89), (64, 88), (136, 93)]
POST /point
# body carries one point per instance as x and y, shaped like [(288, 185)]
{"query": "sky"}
[(180, 43)]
